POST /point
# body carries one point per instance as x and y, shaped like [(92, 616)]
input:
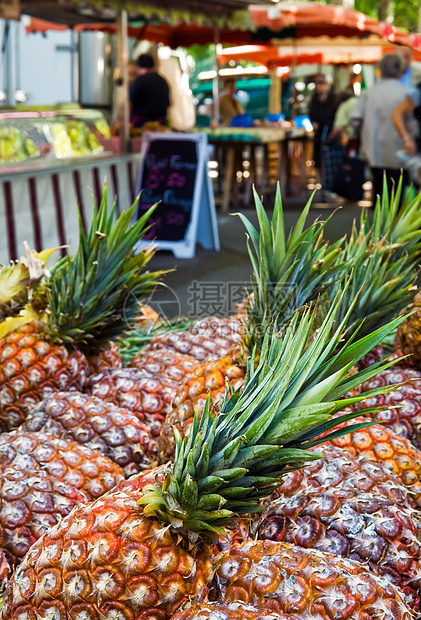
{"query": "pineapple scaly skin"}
[(305, 583), (31, 504), (114, 432), (403, 413), (5, 570), (209, 380), (175, 366), (31, 368), (201, 349), (233, 611), (121, 563), (380, 444), (147, 395), (142, 551), (107, 356), (85, 469), (362, 514), (408, 337)]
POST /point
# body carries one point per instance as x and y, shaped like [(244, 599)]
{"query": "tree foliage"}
[(404, 13)]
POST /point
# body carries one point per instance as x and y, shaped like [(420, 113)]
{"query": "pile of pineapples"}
[(265, 466)]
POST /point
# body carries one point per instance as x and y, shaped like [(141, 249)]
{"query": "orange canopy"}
[(284, 19)]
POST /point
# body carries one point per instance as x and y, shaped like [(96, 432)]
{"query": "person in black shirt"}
[(149, 94), (322, 111)]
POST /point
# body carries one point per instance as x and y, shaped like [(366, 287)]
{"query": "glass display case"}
[(58, 134)]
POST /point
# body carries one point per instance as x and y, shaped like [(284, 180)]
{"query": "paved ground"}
[(209, 282)]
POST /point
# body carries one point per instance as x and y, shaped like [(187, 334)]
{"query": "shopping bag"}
[(332, 157), (350, 179)]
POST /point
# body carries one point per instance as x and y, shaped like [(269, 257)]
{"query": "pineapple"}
[(208, 381), (201, 347), (287, 272), (87, 300), (408, 337), (338, 469), (114, 432), (31, 504), (141, 551), (83, 468), (108, 356), (18, 280), (380, 444), (32, 367), (353, 509), (147, 395), (305, 583), (233, 611), (401, 406)]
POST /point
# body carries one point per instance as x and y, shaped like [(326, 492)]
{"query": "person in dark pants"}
[(149, 94), (372, 115), (321, 112)]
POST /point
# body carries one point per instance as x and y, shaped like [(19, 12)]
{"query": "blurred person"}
[(229, 106), (406, 77), (149, 94), (402, 120), (371, 116), (321, 112), (343, 130)]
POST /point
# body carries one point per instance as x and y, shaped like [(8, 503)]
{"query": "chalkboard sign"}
[(173, 171)]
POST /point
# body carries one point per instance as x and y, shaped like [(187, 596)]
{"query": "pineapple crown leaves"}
[(95, 293), (230, 461), (287, 271), (381, 283), (397, 221)]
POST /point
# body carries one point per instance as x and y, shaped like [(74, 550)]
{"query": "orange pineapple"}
[(208, 381), (142, 551), (83, 468), (114, 432), (84, 302), (31, 368), (305, 583), (379, 443)]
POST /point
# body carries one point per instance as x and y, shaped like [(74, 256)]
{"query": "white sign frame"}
[(203, 225)]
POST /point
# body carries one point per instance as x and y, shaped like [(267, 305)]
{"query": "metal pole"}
[(7, 64), (75, 67), (122, 82), (215, 89)]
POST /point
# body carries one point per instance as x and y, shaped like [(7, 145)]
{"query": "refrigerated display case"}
[(51, 161)]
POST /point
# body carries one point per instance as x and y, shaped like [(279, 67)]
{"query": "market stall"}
[(38, 194), (256, 156)]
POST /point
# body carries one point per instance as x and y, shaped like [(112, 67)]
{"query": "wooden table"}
[(276, 143)]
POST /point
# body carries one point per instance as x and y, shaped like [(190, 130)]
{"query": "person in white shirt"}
[(380, 141)]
